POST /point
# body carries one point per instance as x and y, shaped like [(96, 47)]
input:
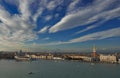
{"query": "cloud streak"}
[(44, 29), (20, 26), (87, 15), (15, 29), (98, 35), (115, 32)]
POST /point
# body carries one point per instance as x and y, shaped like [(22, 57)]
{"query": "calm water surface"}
[(57, 69)]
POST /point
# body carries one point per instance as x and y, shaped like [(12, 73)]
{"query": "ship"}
[(22, 58)]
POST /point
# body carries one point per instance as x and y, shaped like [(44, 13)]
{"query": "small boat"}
[(30, 73)]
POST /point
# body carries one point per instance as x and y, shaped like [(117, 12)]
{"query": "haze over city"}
[(66, 25)]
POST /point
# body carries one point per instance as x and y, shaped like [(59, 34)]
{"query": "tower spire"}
[(94, 51)]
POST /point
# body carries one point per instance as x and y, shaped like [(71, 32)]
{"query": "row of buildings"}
[(21, 56), (95, 57), (91, 57), (109, 58)]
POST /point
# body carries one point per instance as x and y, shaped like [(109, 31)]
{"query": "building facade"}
[(108, 58)]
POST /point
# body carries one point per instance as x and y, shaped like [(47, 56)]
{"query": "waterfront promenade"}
[(82, 57)]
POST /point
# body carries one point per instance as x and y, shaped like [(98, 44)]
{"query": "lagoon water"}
[(57, 69)]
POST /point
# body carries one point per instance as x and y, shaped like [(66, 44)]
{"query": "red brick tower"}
[(94, 51)]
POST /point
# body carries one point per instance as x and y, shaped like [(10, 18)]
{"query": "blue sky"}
[(64, 25)]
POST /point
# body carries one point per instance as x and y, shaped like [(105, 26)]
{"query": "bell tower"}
[(94, 51)]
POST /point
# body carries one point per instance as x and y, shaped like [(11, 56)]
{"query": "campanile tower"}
[(94, 51)]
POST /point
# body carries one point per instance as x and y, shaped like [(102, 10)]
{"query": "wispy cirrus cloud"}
[(93, 36), (24, 9), (73, 5), (88, 14), (18, 28), (47, 38), (115, 32), (14, 27), (105, 16), (37, 14), (20, 25), (98, 35), (44, 29), (51, 5), (48, 17)]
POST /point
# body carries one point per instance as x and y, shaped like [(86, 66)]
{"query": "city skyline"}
[(66, 25)]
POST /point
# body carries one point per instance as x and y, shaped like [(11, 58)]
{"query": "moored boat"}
[(22, 58)]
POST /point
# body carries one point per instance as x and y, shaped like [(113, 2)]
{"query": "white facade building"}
[(108, 58)]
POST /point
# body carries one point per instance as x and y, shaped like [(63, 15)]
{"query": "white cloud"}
[(51, 5), (87, 15), (15, 29), (115, 32), (72, 5), (48, 17), (87, 28), (39, 12), (46, 4), (24, 9), (105, 16), (41, 6), (44, 29), (47, 38)]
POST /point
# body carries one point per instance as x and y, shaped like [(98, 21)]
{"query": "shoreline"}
[(92, 63)]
